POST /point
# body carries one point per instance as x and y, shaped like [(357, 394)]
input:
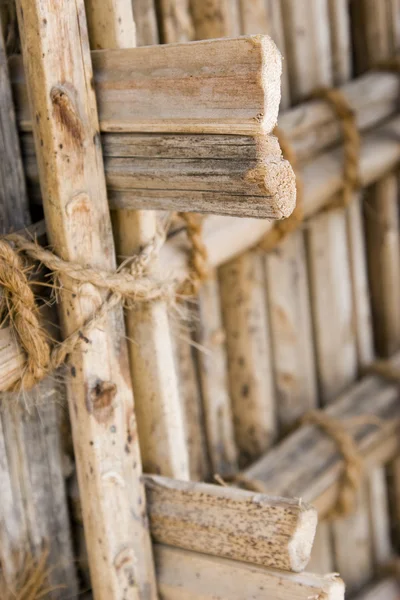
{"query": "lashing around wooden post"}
[(351, 166), (351, 143), (352, 475), (199, 256), (129, 284)]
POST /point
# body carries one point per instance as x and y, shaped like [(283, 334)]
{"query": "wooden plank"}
[(185, 575), (243, 302), (231, 523), (251, 180), (34, 504), (79, 228), (368, 399), (212, 86)]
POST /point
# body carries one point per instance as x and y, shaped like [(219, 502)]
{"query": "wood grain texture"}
[(244, 312), (214, 381), (215, 18), (287, 467), (231, 523), (58, 68), (212, 86), (185, 575), (34, 505), (246, 177), (383, 248)]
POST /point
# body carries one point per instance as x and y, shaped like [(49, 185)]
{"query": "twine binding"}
[(128, 285), (199, 256)]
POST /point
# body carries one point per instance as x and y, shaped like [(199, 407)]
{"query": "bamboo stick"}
[(106, 446), (231, 523), (213, 372), (215, 18), (248, 346), (34, 506), (159, 415), (193, 99), (145, 19), (176, 21), (185, 575)]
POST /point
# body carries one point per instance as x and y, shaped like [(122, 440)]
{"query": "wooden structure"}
[(286, 311)]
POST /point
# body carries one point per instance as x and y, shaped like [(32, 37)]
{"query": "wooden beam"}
[(184, 575), (59, 74), (239, 176), (227, 86), (370, 399), (231, 523)]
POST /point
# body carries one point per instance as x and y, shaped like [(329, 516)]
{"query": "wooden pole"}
[(34, 507), (158, 410), (58, 70)]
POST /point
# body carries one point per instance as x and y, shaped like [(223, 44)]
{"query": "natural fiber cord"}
[(128, 285), (351, 478), (199, 256)]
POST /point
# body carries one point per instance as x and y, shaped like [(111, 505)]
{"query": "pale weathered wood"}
[(388, 589), (244, 312), (231, 523), (213, 372), (307, 463), (383, 246), (380, 519), (34, 506), (144, 16), (184, 575), (215, 18), (339, 18), (191, 402), (159, 414), (176, 21), (265, 16), (249, 180), (212, 86), (307, 46), (291, 332), (57, 63)]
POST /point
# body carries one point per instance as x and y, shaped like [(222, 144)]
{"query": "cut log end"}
[(300, 546)]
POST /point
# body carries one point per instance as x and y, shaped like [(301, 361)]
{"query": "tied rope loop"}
[(128, 285), (383, 368), (351, 143), (283, 228), (353, 463), (199, 255)]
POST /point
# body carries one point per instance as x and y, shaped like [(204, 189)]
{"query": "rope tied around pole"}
[(129, 285), (351, 144), (199, 269)]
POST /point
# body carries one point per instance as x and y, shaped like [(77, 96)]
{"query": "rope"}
[(199, 255), (129, 284), (351, 478), (283, 228), (353, 463), (383, 368), (351, 143)]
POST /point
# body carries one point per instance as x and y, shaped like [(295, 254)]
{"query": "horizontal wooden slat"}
[(248, 176), (184, 575), (214, 86), (226, 237), (231, 523), (307, 464)]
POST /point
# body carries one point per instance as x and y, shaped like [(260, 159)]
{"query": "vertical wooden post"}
[(59, 74), (158, 410), (33, 509)]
